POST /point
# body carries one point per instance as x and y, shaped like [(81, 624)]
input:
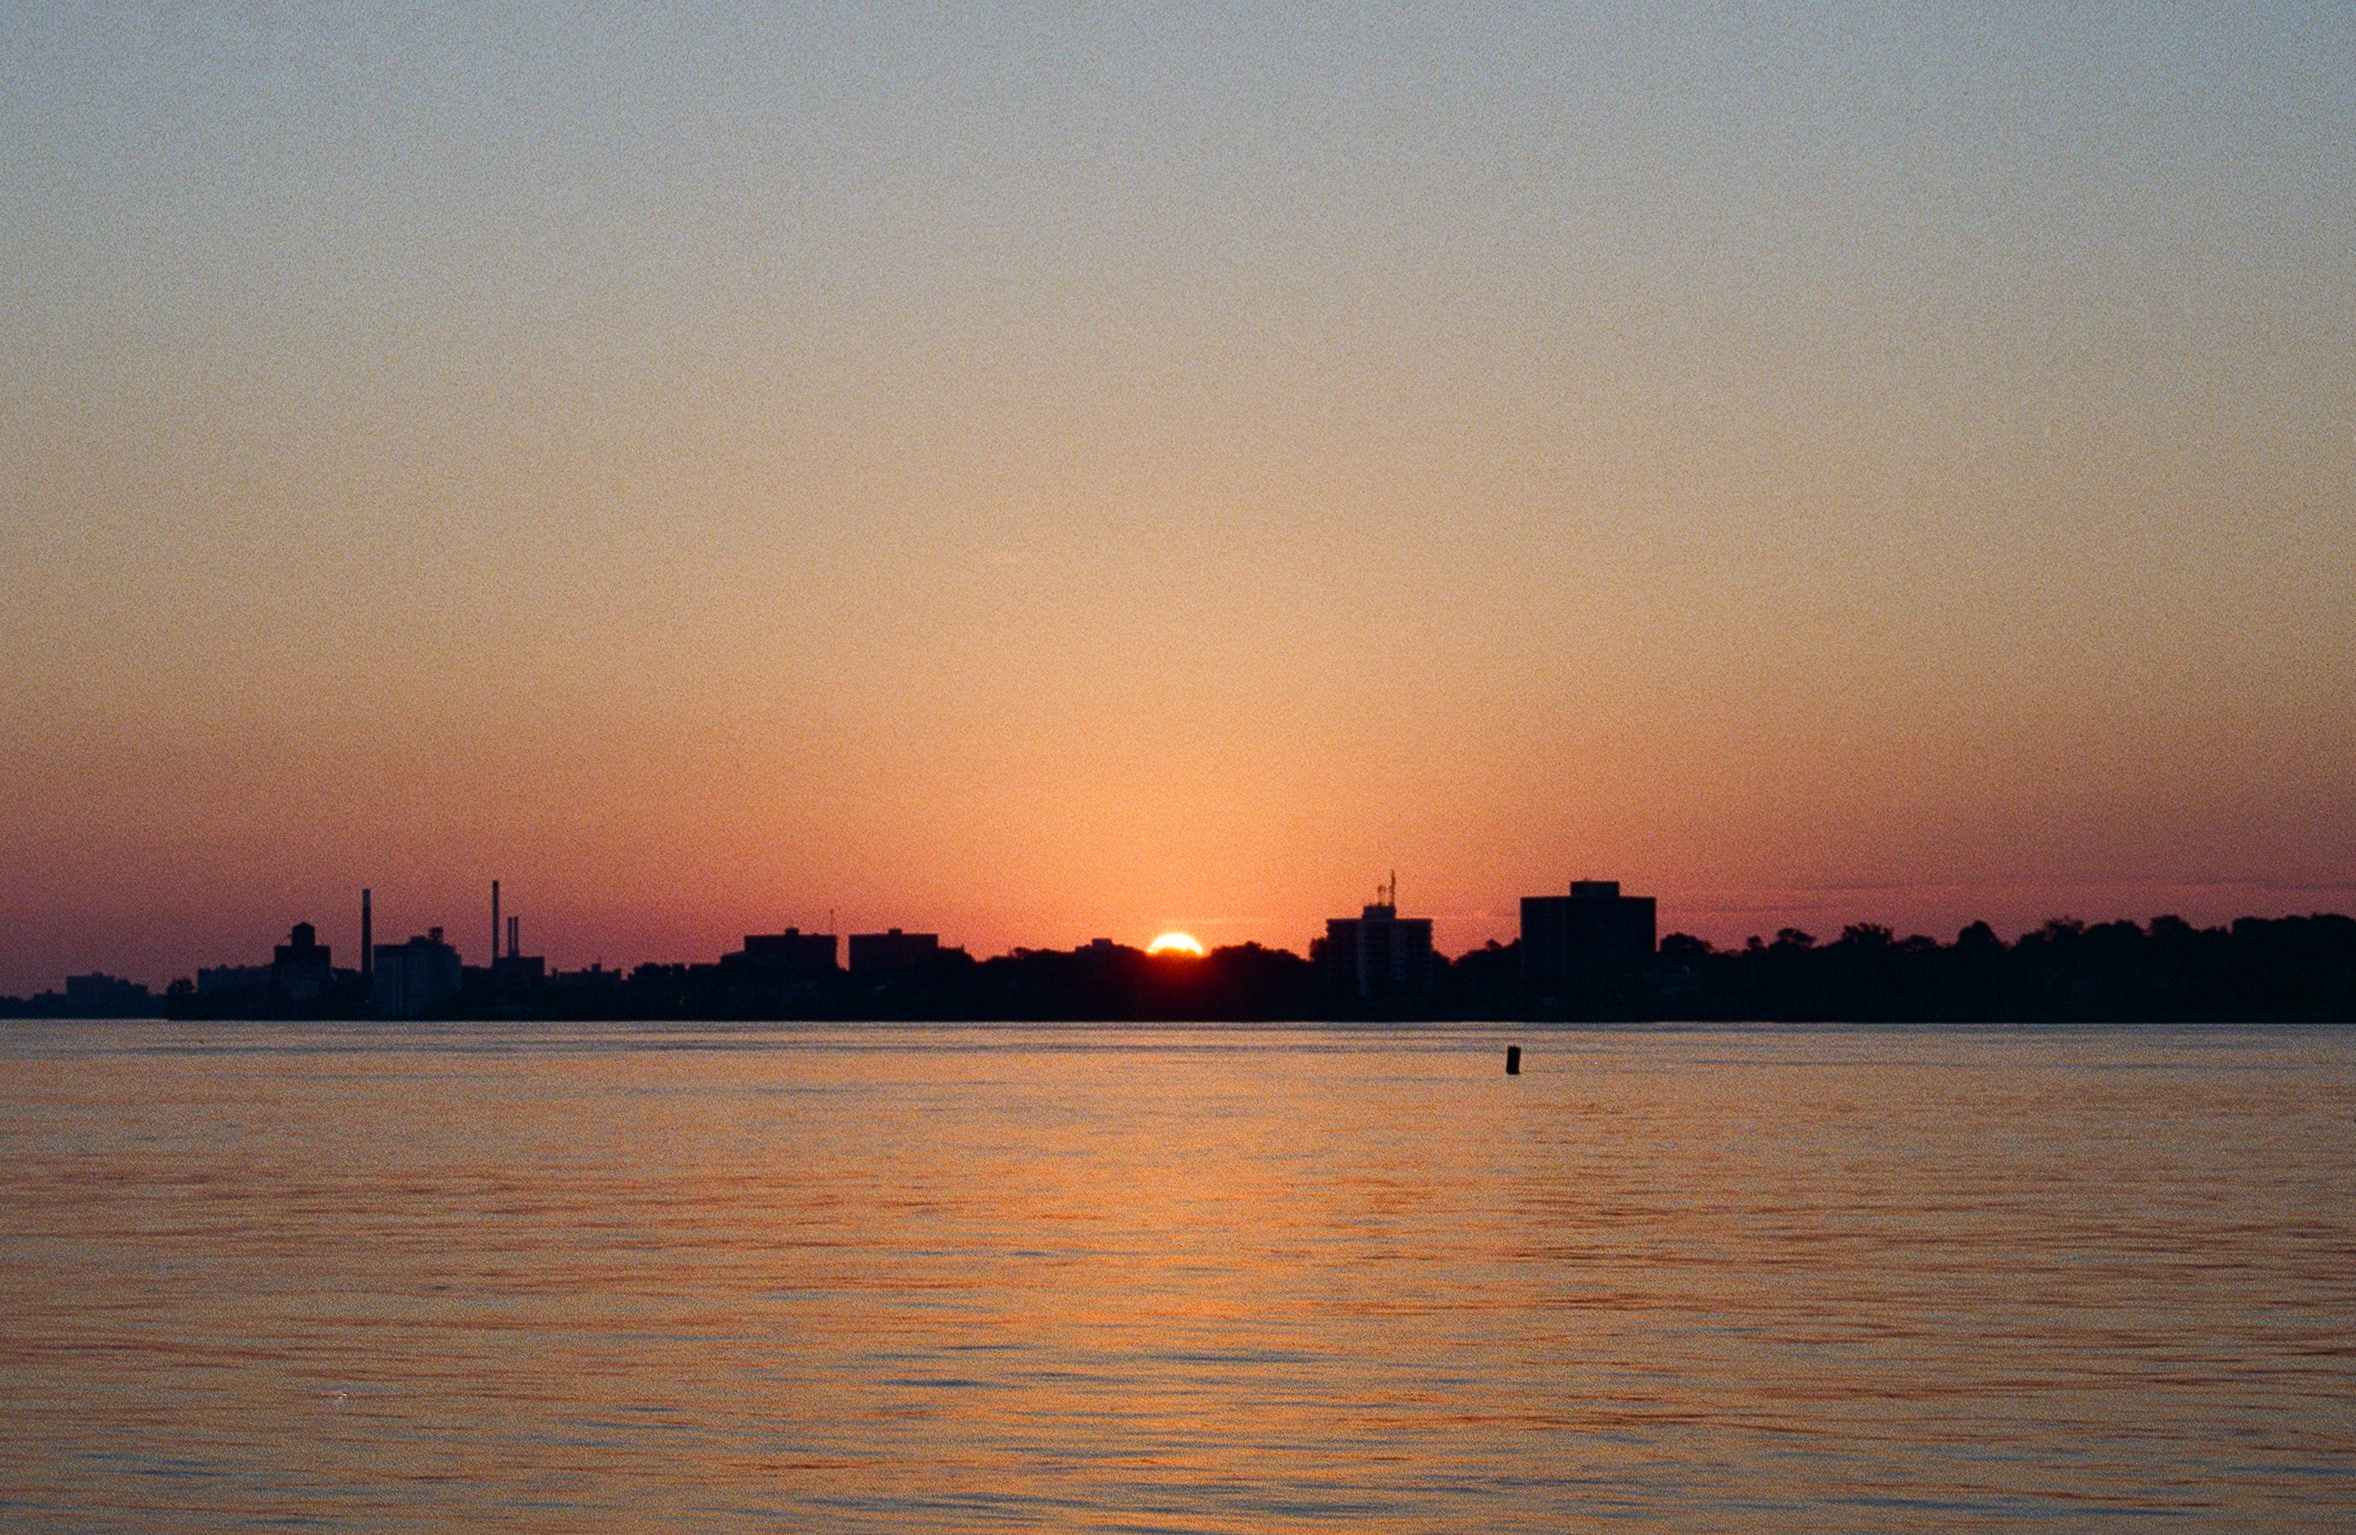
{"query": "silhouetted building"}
[(414, 978), (227, 980), (99, 995), (515, 970), (1379, 955), (299, 968), (790, 955), (1588, 943), (893, 955), (510, 971)]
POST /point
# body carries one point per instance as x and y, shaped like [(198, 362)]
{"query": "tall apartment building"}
[(1586, 944), (1379, 955)]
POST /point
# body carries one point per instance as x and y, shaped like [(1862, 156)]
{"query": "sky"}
[(1037, 473)]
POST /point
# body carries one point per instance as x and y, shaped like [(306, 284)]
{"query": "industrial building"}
[(301, 969), (414, 978)]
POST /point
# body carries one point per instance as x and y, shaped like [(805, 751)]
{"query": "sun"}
[(1176, 943)]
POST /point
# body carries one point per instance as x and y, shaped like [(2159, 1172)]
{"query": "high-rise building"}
[(1588, 944), (1378, 955)]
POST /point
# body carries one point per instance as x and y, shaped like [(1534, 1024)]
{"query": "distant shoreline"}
[(2255, 970)]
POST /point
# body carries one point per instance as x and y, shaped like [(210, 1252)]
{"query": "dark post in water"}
[(1513, 1060)]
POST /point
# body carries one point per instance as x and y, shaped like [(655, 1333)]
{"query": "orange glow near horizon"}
[(717, 485), (1185, 944)]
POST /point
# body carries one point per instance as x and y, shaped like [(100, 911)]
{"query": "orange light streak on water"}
[(1221, 1280)]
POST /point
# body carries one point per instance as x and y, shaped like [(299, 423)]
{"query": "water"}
[(497, 1278)]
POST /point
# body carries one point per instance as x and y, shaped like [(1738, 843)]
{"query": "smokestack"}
[(367, 939), (515, 942), (494, 921)]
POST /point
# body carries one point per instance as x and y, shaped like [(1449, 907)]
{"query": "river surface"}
[(491, 1277)]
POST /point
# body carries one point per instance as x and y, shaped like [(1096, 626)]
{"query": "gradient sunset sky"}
[(1035, 473)]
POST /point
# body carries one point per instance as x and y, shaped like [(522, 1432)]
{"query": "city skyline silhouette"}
[(1283, 767), (1593, 953), (1029, 476)]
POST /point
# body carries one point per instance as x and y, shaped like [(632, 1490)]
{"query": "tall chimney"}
[(367, 939), (494, 921), (515, 942)]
